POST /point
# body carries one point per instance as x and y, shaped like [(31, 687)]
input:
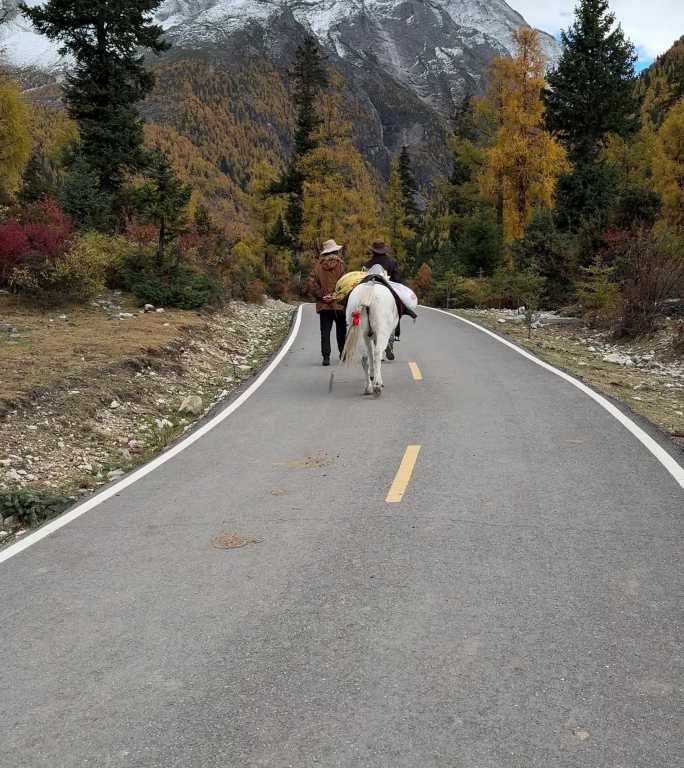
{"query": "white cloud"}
[(652, 26)]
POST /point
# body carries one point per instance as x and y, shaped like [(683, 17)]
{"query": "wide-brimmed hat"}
[(330, 246), (380, 247)]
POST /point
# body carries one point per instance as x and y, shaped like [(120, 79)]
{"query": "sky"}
[(652, 25)]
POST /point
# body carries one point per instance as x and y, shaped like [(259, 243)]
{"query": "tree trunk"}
[(160, 244)]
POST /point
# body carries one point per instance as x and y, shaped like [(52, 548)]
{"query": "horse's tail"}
[(360, 299)]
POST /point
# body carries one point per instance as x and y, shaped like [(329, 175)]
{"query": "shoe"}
[(326, 361)]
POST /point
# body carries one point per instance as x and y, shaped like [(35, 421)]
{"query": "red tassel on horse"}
[(356, 318)]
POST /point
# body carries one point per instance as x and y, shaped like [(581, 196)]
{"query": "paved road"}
[(520, 608)]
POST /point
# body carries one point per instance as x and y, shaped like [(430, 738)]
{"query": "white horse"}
[(372, 317)]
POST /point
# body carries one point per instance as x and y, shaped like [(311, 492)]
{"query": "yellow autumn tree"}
[(523, 161), (267, 234), (340, 200), (668, 168), (632, 158), (15, 142)]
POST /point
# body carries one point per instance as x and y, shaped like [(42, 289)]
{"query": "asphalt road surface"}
[(520, 607)]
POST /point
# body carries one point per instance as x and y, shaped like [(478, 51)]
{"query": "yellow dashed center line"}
[(403, 476), (415, 372)]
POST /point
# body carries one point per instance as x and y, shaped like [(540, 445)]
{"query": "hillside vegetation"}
[(188, 177)]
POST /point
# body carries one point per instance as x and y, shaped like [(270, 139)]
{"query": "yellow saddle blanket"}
[(347, 283)]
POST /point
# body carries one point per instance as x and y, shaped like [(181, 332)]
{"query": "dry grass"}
[(49, 350)]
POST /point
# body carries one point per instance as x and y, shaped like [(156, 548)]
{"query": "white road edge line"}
[(107, 493), (670, 464)]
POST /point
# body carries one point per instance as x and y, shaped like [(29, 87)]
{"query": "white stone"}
[(618, 358), (192, 405)]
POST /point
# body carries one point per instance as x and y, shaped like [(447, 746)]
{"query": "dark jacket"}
[(323, 278), (387, 263)]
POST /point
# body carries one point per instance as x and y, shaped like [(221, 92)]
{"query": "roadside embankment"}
[(89, 392)]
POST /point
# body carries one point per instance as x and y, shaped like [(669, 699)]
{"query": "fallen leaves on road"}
[(316, 461), (233, 540)]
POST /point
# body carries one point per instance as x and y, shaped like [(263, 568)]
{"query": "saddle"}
[(401, 307)]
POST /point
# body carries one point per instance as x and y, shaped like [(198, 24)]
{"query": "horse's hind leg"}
[(367, 363), (377, 367)]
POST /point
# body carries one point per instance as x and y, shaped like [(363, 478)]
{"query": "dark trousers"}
[(328, 317)]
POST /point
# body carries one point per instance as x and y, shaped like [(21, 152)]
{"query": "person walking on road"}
[(325, 273), (380, 254)]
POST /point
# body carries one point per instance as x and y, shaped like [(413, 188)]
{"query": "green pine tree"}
[(591, 91), (106, 40), (41, 177), (81, 196), (162, 200), (310, 77), (409, 189)]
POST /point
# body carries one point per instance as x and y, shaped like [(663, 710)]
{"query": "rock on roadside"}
[(192, 406)]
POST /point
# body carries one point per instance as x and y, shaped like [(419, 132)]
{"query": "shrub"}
[(245, 267), (653, 269), (91, 262), (471, 292), (478, 244), (255, 291), (550, 253), (178, 285), (31, 246), (423, 285), (596, 291), (31, 506), (513, 288)]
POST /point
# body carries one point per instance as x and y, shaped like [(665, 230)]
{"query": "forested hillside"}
[(556, 187)]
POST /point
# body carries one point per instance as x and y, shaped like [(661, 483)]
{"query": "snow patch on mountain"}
[(195, 20)]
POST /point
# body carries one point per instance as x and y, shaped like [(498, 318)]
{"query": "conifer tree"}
[(81, 196), (591, 91), (107, 40), (40, 178), (310, 77), (162, 200), (409, 188), (401, 234)]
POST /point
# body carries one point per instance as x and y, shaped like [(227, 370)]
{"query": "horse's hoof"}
[(377, 391)]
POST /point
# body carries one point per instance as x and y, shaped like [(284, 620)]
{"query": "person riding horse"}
[(380, 254)]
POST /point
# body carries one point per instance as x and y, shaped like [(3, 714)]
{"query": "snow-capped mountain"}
[(407, 63), (438, 48)]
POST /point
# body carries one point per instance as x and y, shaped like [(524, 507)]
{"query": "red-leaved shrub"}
[(35, 240)]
